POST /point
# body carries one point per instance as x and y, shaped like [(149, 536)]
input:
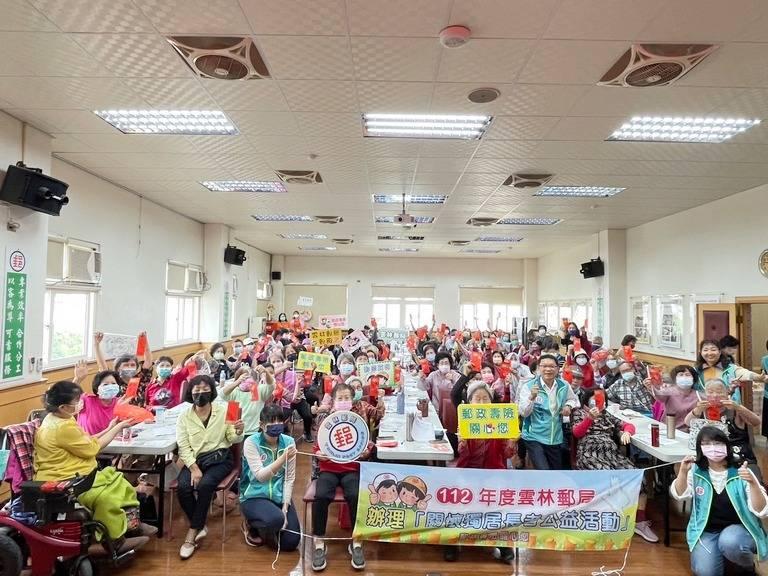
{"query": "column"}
[(613, 250)]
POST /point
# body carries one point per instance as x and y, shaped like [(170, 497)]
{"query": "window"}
[(182, 318), (387, 314), (506, 317), (394, 306), (578, 311), (67, 326), (418, 313)]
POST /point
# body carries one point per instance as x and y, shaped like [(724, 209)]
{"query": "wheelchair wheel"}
[(10, 557), (82, 566)]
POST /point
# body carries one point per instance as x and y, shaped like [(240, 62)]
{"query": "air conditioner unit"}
[(82, 265), (195, 280)]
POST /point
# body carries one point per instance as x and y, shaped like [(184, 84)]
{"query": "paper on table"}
[(646, 439), (422, 430)]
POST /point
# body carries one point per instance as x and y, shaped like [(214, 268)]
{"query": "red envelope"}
[(476, 359), (254, 392), (308, 377), (191, 368), (134, 413), (373, 390), (421, 333), (629, 354), (133, 388), (327, 384), (141, 345), (492, 342), (398, 373), (600, 399), (425, 367), (233, 412), (576, 345), (476, 336), (504, 369)]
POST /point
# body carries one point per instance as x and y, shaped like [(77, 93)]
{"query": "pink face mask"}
[(342, 405), (488, 378), (715, 452), (245, 385)]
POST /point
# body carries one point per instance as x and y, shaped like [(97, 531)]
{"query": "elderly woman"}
[(713, 362), (63, 451), (204, 437)]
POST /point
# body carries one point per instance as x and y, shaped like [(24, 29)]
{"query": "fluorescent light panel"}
[(303, 236), (498, 239), (398, 249), (407, 238), (281, 218), (190, 122), (682, 129), (410, 199), (579, 191), (530, 221), (456, 126), (243, 186), (417, 219), (317, 248), (480, 251)]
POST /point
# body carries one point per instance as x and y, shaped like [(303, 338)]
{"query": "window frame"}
[(181, 318), (49, 330)]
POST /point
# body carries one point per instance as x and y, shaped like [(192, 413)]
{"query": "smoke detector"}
[(329, 219), (521, 180), (645, 65), (483, 95), (221, 57), (482, 221), (454, 36), (458, 242), (299, 176), (343, 241)]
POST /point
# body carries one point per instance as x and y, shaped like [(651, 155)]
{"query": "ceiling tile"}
[(403, 97), (442, 164), (448, 148), (570, 61), (222, 145), (398, 17), (68, 93), (328, 125), (409, 59), (503, 18), (397, 147), (484, 60), (505, 149), (734, 64), (19, 16), (114, 16), (280, 145), (541, 99), (584, 128), (702, 20), (137, 143), (380, 164), (134, 55), (520, 127), (329, 146), (195, 16), (254, 123), (45, 54), (246, 95), (173, 93), (296, 17), (64, 121), (91, 160), (602, 19), (308, 57), (320, 95), (67, 143)]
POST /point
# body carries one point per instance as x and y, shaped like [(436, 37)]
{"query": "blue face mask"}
[(274, 430), (108, 391), (346, 368), (358, 395), (164, 372)]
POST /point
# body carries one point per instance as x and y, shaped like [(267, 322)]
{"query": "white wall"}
[(446, 275), (30, 237), (559, 277), (137, 238)]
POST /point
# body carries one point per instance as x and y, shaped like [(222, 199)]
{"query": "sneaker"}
[(319, 559), (506, 555), (187, 549), (308, 439), (250, 539), (358, 558), (202, 534), (643, 529)]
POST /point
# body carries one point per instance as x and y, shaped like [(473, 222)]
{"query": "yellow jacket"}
[(63, 450), (194, 439)]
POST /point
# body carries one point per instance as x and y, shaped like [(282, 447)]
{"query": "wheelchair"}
[(54, 536)]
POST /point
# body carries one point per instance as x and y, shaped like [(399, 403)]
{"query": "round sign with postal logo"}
[(343, 436)]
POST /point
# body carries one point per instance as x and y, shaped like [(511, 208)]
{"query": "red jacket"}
[(485, 454)]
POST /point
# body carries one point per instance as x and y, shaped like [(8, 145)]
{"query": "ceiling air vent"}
[(221, 57), (329, 219), (458, 242), (343, 241), (299, 176), (646, 65), (527, 180), (482, 221)]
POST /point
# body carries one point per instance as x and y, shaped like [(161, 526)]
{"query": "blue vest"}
[(541, 425), (703, 492), (272, 489)]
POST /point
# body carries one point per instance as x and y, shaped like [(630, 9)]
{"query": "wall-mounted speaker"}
[(277, 275), (30, 188), (593, 268), (233, 255)]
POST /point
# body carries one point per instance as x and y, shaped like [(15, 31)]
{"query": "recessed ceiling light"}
[(317, 248), (409, 238), (480, 251), (398, 249), (498, 239), (281, 218), (530, 221), (579, 191), (679, 129), (416, 219), (458, 126), (243, 186), (410, 199), (303, 236), (191, 122)]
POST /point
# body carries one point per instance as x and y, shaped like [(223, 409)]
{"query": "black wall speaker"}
[(593, 268), (277, 275), (30, 188), (233, 255)]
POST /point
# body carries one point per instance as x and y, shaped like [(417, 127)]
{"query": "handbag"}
[(208, 459)]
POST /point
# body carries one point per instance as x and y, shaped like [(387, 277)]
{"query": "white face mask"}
[(581, 361), (611, 364), (628, 376), (108, 391), (219, 355), (444, 368), (430, 356), (684, 381)]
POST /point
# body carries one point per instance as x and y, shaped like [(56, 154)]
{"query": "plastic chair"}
[(224, 486)]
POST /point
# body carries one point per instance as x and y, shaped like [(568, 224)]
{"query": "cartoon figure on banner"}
[(410, 493), (383, 490)]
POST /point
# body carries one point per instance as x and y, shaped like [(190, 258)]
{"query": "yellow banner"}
[(478, 421), (326, 338), (311, 361)]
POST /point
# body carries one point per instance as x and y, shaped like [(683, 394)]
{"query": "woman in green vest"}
[(266, 484), (713, 362), (728, 503)]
